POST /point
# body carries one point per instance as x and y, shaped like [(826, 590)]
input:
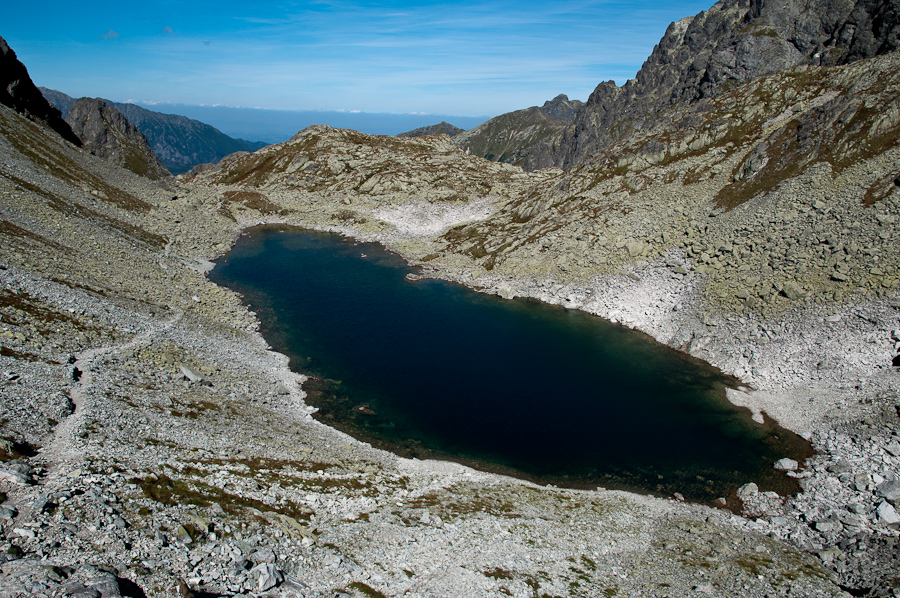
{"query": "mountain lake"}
[(432, 369)]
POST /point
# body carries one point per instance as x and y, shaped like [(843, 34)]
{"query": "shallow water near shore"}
[(431, 369)]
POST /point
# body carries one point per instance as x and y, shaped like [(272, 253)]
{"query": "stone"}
[(889, 490), (893, 448), (829, 526), (747, 491), (41, 503), (7, 512), (840, 466), (263, 555), (190, 374), (786, 464), (182, 535), (78, 590), (887, 514), (14, 477), (792, 290), (267, 575)]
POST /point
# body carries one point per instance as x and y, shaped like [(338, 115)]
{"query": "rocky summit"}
[(154, 445), (731, 43), (442, 128), (511, 137), (106, 133)]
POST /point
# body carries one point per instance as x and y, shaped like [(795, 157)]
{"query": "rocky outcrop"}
[(106, 133), (511, 137), (18, 91), (733, 42), (442, 128)]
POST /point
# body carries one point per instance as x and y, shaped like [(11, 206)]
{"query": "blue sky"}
[(457, 58)]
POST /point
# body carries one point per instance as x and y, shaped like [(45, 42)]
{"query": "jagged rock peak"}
[(561, 108), (19, 92), (731, 43), (442, 128), (106, 133)]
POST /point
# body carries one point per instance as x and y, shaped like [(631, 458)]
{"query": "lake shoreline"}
[(277, 245)]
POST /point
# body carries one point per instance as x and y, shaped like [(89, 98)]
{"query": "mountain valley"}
[(737, 201)]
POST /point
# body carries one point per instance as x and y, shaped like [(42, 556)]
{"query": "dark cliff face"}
[(106, 133), (727, 45), (19, 92)]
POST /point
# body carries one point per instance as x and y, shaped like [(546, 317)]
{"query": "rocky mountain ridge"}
[(106, 133), (731, 43), (510, 137), (18, 91), (180, 142), (442, 128)]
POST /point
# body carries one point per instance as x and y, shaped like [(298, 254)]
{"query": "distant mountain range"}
[(180, 142)]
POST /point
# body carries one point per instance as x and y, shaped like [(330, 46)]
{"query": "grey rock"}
[(889, 490), (267, 576), (829, 526), (41, 503), (14, 477), (747, 491), (263, 555), (190, 374), (893, 448), (182, 535), (106, 584), (786, 464), (887, 514), (841, 466)]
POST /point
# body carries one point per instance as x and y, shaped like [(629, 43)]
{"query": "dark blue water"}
[(433, 369)]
